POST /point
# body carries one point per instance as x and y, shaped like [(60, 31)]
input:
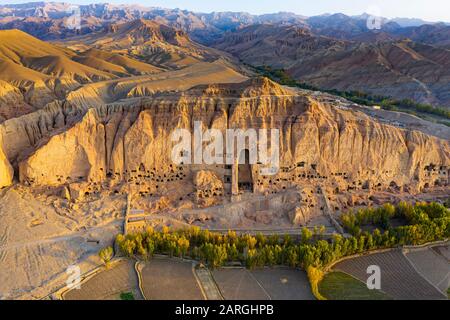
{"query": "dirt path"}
[(60, 238)]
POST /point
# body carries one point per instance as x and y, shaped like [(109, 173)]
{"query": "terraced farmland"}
[(170, 279), (108, 284), (238, 284), (443, 251), (431, 265), (399, 279)]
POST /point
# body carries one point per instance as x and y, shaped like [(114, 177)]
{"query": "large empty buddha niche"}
[(245, 181)]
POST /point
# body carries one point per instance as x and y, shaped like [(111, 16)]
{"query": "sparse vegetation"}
[(126, 296), (387, 103)]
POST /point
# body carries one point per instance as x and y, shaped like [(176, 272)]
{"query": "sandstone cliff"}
[(320, 143), (6, 171)]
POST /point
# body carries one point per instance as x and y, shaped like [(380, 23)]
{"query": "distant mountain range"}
[(48, 21), (401, 68), (123, 61), (403, 58)]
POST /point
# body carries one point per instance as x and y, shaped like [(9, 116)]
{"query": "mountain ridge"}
[(396, 68), (202, 27)]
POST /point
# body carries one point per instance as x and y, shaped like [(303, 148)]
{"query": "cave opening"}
[(245, 181)]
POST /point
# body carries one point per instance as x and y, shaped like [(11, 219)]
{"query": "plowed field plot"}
[(170, 279), (239, 284), (443, 251), (109, 284), (399, 279), (431, 265), (263, 284)]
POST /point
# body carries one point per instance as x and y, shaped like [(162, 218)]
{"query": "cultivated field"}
[(432, 265), (443, 251), (399, 279), (239, 284), (263, 284), (170, 279), (284, 283), (341, 286), (109, 284)]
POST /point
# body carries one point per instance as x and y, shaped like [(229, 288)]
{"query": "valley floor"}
[(43, 234)]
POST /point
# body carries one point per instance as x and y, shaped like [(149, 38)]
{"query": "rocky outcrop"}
[(12, 103), (300, 216), (320, 143), (306, 208), (209, 188), (78, 153), (24, 133)]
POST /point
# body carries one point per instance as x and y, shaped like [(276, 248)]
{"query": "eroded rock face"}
[(76, 154), (306, 207), (6, 170), (12, 103), (300, 215), (209, 187), (320, 143)]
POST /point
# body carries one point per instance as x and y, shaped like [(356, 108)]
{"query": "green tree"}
[(183, 246), (215, 255), (232, 252), (150, 245), (106, 254), (306, 235), (292, 256), (251, 258), (128, 247)]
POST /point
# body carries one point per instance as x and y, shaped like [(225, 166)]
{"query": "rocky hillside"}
[(437, 34), (400, 69), (330, 51)]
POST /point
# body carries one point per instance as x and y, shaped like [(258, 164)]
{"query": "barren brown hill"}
[(101, 93), (401, 69), (115, 63), (435, 34), (149, 41), (341, 26), (35, 73), (24, 50), (41, 72), (12, 103), (46, 28)]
